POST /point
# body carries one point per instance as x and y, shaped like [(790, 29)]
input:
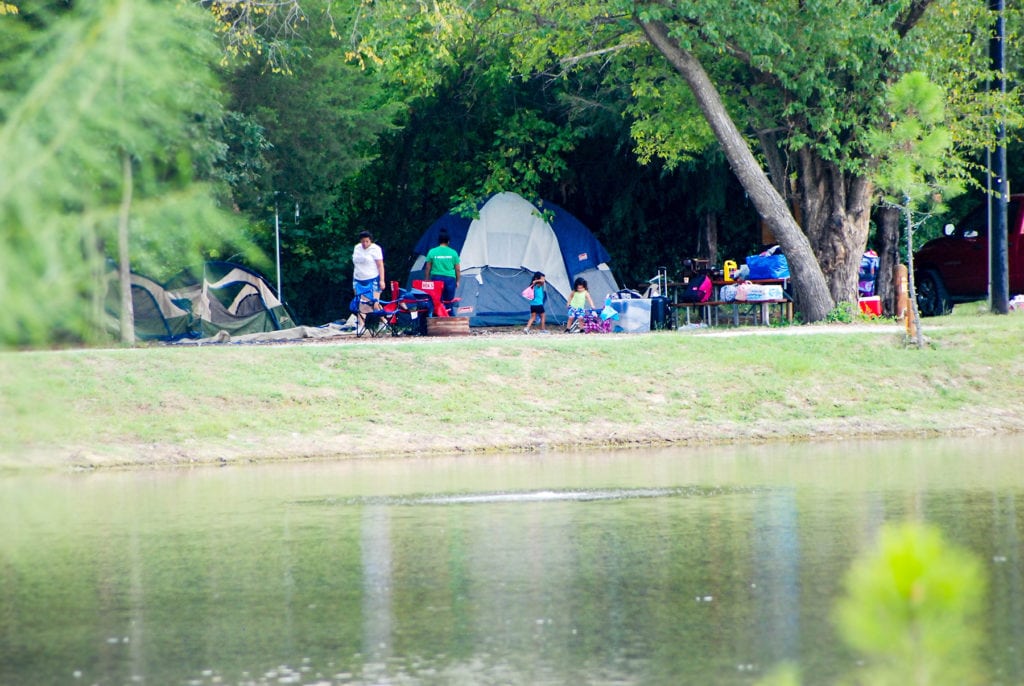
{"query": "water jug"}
[(728, 269)]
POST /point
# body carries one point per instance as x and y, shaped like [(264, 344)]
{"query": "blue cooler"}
[(634, 315)]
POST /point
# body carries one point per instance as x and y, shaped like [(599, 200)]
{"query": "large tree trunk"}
[(812, 295), (837, 213), (888, 220)]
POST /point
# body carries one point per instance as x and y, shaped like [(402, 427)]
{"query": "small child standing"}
[(577, 304), (537, 304)]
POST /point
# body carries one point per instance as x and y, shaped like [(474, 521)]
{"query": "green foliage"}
[(914, 152), (911, 608), (321, 119), (87, 86), (445, 158), (414, 43), (245, 169), (527, 150), (811, 80), (673, 138), (812, 75), (516, 96), (303, 122), (958, 33), (259, 30), (842, 313)]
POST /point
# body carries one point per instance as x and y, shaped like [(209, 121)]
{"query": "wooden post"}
[(902, 286)]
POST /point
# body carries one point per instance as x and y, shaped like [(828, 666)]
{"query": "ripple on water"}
[(536, 496)]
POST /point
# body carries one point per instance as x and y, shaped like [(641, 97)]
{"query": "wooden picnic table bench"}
[(760, 309)]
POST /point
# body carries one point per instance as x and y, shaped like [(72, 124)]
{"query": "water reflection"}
[(669, 566)]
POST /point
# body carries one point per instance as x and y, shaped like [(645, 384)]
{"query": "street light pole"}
[(277, 249)]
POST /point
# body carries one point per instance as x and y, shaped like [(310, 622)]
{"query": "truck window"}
[(976, 223)]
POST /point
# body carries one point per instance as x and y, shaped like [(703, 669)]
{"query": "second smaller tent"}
[(196, 304)]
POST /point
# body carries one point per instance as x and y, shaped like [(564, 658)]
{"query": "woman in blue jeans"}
[(367, 269)]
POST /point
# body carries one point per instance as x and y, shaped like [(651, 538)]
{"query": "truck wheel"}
[(932, 299)]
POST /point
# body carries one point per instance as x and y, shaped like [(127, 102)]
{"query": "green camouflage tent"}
[(221, 296)]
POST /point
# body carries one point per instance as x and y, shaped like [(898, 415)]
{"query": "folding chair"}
[(368, 311), (405, 313), (442, 308)]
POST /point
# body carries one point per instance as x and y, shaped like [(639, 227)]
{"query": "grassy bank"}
[(211, 404)]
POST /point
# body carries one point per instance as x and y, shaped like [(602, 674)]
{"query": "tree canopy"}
[(799, 81), (384, 115)]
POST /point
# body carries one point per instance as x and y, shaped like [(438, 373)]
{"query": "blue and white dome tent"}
[(500, 251)]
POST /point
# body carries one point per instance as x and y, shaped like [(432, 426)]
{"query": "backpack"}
[(698, 291)]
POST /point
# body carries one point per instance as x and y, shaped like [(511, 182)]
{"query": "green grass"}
[(171, 405)]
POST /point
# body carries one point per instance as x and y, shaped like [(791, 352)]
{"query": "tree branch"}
[(903, 26), (734, 50), (576, 59), (911, 17)]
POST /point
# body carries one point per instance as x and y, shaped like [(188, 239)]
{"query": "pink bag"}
[(698, 291), (527, 293)]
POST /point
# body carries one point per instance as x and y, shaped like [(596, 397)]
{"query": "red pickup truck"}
[(954, 268)]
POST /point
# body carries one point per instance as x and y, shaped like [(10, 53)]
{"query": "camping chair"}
[(368, 310), (434, 289), (401, 315)]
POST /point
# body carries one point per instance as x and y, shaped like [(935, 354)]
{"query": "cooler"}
[(634, 315), (871, 305)]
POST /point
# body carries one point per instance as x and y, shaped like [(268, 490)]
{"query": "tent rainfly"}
[(500, 250)]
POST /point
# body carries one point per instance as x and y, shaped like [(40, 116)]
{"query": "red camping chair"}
[(434, 290), (400, 314), (388, 313), (376, 315)]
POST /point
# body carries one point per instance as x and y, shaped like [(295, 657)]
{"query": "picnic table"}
[(759, 311)]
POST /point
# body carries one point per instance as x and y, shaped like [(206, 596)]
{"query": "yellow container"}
[(728, 268)]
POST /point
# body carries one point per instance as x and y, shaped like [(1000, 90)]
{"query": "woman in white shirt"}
[(367, 277), (368, 265)]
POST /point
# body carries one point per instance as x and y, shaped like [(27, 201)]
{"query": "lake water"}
[(628, 567)]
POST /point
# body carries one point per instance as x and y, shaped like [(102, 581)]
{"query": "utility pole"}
[(277, 240), (998, 254), (277, 246)]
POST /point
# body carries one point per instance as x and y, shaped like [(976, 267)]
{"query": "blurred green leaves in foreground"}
[(83, 91), (911, 610)]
